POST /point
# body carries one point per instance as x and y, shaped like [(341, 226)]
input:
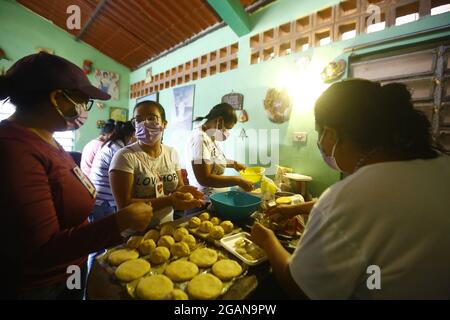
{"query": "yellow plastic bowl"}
[(253, 174)]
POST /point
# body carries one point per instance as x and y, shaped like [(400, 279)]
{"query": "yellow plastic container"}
[(253, 174)]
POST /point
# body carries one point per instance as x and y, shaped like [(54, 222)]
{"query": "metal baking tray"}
[(228, 243)]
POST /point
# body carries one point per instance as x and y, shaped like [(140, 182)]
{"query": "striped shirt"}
[(99, 172)]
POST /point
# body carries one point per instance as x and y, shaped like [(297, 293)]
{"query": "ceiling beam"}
[(91, 19), (233, 14)]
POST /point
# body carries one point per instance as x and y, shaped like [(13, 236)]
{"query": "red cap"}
[(43, 72)]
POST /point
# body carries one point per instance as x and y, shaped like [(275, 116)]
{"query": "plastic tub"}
[(235, 205)]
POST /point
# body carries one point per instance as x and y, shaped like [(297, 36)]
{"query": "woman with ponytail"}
[(207, 160), (104, 203), (383, 231), (120, 137)]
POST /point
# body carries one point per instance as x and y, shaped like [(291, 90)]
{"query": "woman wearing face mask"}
[(121, 136), (149, 170), (208, 162), (383, 231), (44, 198), (104, 204), (93, 146)]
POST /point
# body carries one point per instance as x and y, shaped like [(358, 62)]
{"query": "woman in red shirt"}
[(45, 199)]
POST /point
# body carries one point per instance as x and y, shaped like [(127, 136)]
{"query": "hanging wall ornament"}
[(333, 71), (236, 100), (278, 105), (242, 116), (87, 67), (243, 134)]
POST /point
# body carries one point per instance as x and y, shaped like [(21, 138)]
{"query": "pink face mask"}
[(329, 160), (77, 121), (148, 132)]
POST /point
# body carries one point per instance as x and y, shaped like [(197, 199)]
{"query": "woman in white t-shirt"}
[(207, 160), (149, 170), (383, 231)]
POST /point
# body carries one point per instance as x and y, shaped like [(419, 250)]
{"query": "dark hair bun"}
[(397, 97), (4, 87), (119, 124), (108, 127)]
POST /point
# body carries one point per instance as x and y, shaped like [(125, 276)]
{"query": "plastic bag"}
[(281, 181), (268, 188)]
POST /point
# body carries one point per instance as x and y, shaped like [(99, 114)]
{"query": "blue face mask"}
[(329, 160)]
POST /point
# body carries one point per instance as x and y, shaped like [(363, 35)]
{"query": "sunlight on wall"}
[(303, 83)]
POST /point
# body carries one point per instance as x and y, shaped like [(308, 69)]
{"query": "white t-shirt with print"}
[(202, 149), (147, 171), (394, 215)]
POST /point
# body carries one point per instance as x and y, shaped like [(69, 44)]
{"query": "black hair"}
[(224, 110), (121, 132), (108, 127), (374, 116), (23, 98), (161, 110)]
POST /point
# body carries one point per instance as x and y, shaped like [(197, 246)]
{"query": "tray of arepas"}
[(172, 262), (210, 228)]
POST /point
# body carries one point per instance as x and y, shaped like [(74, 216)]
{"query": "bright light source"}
[(376, 27), (406, 19), (325, 41), (441, 9), (349, 35), (288, 51), (303, 83), (305, 47)]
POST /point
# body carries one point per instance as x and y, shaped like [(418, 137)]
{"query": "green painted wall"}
[(254, 80), (22, 31)]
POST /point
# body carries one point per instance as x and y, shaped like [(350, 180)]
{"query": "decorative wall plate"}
[(333, 71), (278, 105)]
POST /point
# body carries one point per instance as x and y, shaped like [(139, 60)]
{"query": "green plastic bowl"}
[(235, 205)]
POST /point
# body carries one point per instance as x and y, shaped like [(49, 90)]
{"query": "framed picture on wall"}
[(118, 114), (108, 82), (184, 107), (150, 97)]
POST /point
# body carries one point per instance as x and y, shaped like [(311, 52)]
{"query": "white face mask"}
[(329, 160), (221, 134)]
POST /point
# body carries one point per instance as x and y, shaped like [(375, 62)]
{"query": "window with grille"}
[(66, 139), (425, 71)]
